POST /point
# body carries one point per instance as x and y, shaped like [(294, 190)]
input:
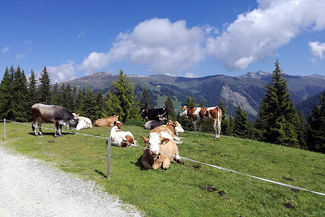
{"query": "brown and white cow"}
[(119, 137), (169, 131), (160, 154), (52, 114), (200, 114), (106, 122)]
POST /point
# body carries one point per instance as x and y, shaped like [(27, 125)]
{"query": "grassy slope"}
[(180, 190)]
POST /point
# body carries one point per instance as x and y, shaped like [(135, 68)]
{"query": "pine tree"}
[(241, 124), (277, 115), (144, 100), (100, 105), (20, 101), (121, 100), (32, 88), (6, 94), (170, 108), (44, 87), (88, 105), (55, 99), (316, 127), (190, 101)]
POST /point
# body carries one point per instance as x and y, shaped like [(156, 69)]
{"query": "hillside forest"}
[(277, 122)]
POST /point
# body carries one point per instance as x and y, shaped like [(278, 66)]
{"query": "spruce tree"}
[(144, 100), (121, 100), (277, 115), (20, 101), (316, 127), (32, 89), (170, 108), (88, 105), (100, 105), (44, 87), (55, 99), (6, 94), (240, 124)]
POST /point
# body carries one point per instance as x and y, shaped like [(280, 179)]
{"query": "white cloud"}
[(172, 47), (190, 75), (61, 73), (259, 33), (317, 49), (4, 49), (163, 45), (20, 56)]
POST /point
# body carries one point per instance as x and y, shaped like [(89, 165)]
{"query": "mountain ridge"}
[(245, 90)]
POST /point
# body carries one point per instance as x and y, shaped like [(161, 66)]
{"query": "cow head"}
[(178, 128), (183, 111), (72, 123), (153, 143), (144, 113), (118, 124)]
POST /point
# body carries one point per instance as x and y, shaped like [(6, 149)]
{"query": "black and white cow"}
[(52, 114), (158, 114)]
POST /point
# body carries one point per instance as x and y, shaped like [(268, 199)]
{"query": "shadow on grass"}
[(101, 173), (139, 163), (51, 134)]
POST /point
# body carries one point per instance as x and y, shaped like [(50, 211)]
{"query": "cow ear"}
[(146, 139), (164, 141)]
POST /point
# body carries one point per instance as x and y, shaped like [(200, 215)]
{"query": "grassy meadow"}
[(190, 189)]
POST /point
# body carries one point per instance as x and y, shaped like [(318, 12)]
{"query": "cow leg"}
[(217, 127), (165, 163), (194, 125), (178, 159), (56, 129), (39, 123), (60, 130)]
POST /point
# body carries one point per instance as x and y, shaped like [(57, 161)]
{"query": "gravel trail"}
[(30, 188)]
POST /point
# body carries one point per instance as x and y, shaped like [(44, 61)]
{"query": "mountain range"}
[(245, 90)]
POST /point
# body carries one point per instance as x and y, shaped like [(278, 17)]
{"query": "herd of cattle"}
[(161, 143)]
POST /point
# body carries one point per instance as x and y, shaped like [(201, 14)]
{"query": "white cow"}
[(119, 137), (83, 122)]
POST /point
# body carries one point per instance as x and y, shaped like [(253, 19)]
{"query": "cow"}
[(106, 122), (159, 152), (158, 114), (120, 138), (199, 114), (149, 125), (52, 114), (169, 130), (83, 122)]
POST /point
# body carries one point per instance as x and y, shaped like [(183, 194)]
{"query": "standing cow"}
[(52, 114), (200, 114)]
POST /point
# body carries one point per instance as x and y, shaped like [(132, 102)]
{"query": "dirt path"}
[(30, 188)]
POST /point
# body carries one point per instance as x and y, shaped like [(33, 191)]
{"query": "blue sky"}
[(178, 37)]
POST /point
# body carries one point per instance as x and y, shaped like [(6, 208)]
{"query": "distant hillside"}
[(246, 90)]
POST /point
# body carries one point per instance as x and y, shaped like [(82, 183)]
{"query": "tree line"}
[(278, 122)]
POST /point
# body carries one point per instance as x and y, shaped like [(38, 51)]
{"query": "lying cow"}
[(159, 153), (52, 114), (149, 125), (155, 114), (200, 114), (106, 122), (169, 131), (83, 122), (119, 137)]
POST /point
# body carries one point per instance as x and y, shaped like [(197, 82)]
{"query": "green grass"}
[(179, 191)]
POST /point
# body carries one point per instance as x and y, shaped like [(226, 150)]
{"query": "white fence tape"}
[(199, 162)]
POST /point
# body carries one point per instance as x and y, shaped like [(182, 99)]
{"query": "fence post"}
[(4, 129), (109, 157)]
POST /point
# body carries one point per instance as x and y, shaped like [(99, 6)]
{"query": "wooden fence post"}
[(108, 157), (4, 130)]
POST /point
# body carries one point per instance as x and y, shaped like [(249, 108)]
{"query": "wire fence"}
[(184, 158)]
